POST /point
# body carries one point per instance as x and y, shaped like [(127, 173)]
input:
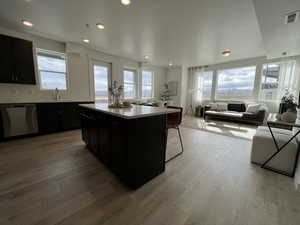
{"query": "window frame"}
[(50, 53), (152, 84), (263, 81), (277, 89), (135, 82), (109, 79), (252, 98)]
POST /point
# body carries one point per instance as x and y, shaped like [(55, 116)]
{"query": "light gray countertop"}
[(137, 111)]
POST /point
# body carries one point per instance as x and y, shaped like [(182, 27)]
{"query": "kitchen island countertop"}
[(136, 111)]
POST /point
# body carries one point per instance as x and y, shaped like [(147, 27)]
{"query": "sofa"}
[(235, 112)]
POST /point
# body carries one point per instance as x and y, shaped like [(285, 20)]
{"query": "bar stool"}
[(173, 122)]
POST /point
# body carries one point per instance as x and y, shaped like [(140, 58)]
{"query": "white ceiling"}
[(190, 32), (278, 37)]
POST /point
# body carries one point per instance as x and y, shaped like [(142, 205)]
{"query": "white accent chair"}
[(263, 147)]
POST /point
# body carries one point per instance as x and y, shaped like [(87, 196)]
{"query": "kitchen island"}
[(131, 142)]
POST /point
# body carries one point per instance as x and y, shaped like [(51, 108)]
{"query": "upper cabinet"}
[(16, 61), (6, 64)]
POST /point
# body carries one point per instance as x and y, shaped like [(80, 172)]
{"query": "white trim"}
[(152, 84), (52, 53), (252, 97), (135, 83), (92, 75)]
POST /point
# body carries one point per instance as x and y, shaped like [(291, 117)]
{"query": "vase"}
[(289, 117), (116, 100)]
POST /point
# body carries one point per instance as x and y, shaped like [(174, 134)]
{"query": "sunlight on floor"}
[(239, 130)]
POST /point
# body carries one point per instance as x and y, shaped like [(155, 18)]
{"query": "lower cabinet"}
[(52, 117), (49, 117), (96, 133), (55, 117)]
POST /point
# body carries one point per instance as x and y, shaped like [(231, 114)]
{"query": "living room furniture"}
[(274, 122), (236, 112), (173, 122), (263, 147)]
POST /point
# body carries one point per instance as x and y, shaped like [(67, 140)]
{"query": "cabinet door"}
[(22, 53), (71, 118), (49, 118), (104, 138), (89, 131), (6, 74)]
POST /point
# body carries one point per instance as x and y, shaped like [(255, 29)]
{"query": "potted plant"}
[(165, 95), (116, 93), (289, 101)]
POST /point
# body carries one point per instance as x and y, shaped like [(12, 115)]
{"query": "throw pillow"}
[(253, 108), (222, 107), (213, 106)]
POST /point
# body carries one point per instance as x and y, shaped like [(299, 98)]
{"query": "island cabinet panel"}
[(134, 149)]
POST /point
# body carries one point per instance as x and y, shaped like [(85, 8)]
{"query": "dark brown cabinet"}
[(5, 59), (49, 117), (23, 61), (55, 117), (16, 61)]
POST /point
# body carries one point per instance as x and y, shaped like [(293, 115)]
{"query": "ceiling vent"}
[(292, 17)]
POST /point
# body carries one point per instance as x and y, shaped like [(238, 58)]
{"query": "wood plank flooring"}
[(55, 180)]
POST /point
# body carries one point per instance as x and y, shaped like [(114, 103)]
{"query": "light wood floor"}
[(54, 179)]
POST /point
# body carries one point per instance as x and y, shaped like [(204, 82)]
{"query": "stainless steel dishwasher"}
[(18, 119)]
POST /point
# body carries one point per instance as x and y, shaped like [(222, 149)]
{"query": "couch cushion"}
[(253, 108), (213, 106), (222, 107), (232, 114), (251, 116), (238, 107)]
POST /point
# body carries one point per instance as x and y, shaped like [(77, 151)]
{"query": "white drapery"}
[(288, 79), (195, 87)]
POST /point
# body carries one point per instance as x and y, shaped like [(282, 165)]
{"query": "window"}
[(204, 85), (101, 76), (52, 70), (147, 84), (276, 79), (130, 84), (236, 84), (269, 81)]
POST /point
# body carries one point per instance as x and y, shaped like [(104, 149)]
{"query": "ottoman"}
[(263, 147)]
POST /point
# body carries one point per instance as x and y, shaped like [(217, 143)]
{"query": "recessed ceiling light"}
[(85, 40), (226, 53), (126, 2), (100, 26), (27, 23), (170, 64), (146, 57)]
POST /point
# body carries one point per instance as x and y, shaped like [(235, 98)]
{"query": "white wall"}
[(180, 75), (80, 76), (184, 87), (174, 74)]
